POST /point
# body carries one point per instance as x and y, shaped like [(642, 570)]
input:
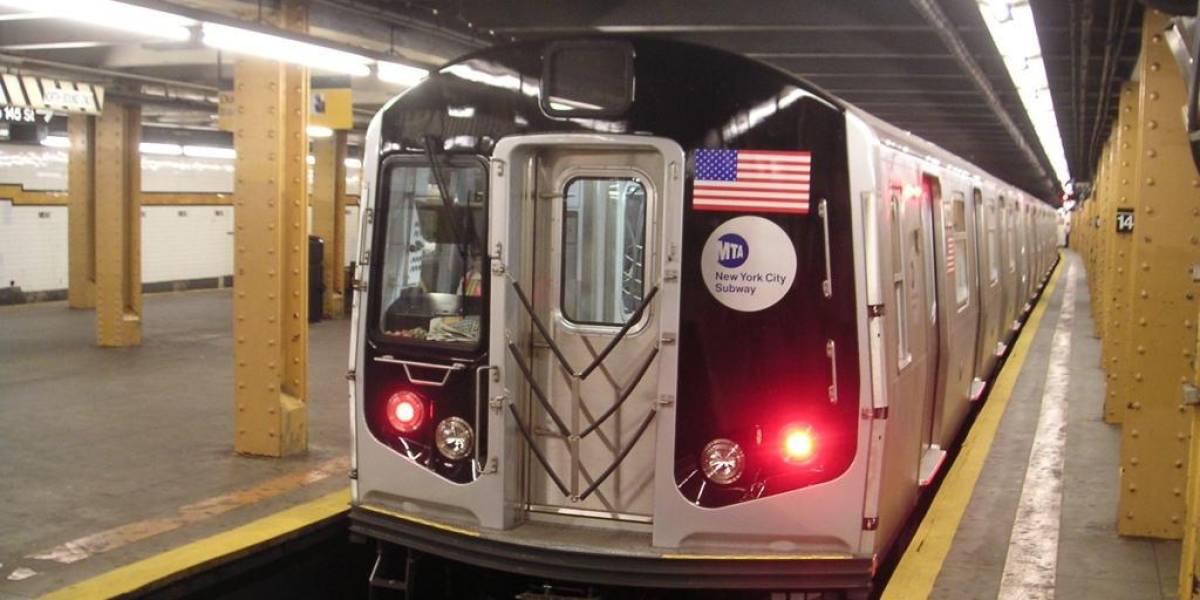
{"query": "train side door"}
[(582, 347), (931, 201)]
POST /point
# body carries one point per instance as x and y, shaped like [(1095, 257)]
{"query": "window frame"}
[(380, 214), (899, 240), (960, 239), (650, 266), (562, 267)]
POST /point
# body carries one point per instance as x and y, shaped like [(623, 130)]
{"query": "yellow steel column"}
[(271, 253), (1103, 201), (81, 212), (1155, 432), (1189, 563), (329, 215), (1118, 344), (118, 226)]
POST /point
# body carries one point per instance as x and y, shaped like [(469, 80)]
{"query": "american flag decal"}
[(772, 181)]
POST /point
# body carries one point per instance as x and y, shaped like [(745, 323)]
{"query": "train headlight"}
[(454, 438), (405, 411), (722, 461)]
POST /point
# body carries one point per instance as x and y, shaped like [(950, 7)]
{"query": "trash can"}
[(316, 278)]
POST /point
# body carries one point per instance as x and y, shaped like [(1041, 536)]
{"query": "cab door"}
[(580, 331)]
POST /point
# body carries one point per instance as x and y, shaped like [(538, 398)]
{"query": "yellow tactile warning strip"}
[(111, 539), (135, 576), (919, 567)]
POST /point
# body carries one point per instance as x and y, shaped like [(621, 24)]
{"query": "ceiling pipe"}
[(1113, 48), (932, 12)]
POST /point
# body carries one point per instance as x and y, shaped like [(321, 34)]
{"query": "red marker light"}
[(405, 411), (799, 444)]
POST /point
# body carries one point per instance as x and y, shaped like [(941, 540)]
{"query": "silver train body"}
[(934, 261)]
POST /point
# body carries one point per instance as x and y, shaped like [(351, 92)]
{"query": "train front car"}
[(612, 322)]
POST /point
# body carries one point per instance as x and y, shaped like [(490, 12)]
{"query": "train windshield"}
[(432, 271)]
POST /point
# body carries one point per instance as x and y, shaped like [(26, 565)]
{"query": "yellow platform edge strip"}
[(919, 567), (142, 573)]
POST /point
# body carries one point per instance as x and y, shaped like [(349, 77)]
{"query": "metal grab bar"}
[(541, 327), (537, 453), (480, 391), (634, 318), (620, 457), (625, 393), (537, 390), (387, 358)]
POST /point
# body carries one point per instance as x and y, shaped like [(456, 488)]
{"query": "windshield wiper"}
[(447, 202)]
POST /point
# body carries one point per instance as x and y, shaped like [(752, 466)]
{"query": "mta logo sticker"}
[(743, 281), (733, 251)]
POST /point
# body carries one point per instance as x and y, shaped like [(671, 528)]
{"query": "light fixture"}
[(392, 72), (454, 438), (56, 141), (799, 444), (405, 411), (273, 47), (722, 461), (352, 163), (1011, 24), (111, 15), (160, 149), (209, 152), (318, 131)]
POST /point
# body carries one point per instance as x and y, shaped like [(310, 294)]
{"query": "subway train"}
[(635, 312)]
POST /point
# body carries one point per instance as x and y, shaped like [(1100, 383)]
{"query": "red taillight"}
[(799, 444), (405, 411)]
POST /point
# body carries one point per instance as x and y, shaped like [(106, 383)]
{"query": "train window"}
[(993, 244), (904, 356), (958, 249), (432, 269), (587, 79), (604, 249)]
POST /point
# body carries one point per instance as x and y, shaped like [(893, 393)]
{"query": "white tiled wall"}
[(178, 242), (33, 246)]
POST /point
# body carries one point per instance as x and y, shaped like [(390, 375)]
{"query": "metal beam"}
[(81, 212), (118, 226), (270, 282), (1118, 342), (932, 12), (1154, 433), (329, 217)]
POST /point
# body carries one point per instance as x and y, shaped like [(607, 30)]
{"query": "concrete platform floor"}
[(108, 456), (1093, 562)]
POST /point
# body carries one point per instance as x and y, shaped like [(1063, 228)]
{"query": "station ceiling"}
[(920, 64)]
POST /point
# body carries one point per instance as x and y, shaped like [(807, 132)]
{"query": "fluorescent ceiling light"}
[(56, 141), (209, 152), (160, 149), (352, 163), (262, 45), (317, 131), (1012, 27), (111, 15), (391, 72)]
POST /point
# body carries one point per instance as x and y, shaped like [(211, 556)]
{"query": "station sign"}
[(1124, 220), (23, 97)]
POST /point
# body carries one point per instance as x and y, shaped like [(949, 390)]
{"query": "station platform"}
[(1028, 509), (111, 457)]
